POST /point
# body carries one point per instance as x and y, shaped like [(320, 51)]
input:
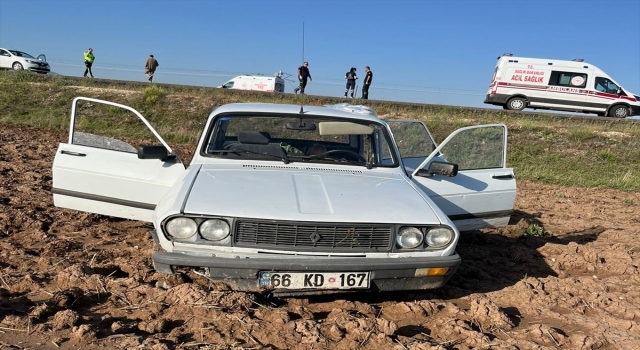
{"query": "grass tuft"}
[(535, 230), (153, 93)]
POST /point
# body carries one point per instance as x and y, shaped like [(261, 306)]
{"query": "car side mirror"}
[(619, 91), (439, 168), (155, 152)]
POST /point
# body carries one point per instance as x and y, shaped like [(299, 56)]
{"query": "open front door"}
[(104, 175), (483, 192)]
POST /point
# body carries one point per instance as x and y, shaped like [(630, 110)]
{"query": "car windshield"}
[(308, 139), (20, 54)]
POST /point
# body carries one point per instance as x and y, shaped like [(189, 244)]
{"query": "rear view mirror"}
[(154, 152), (301, 126), (439, 168)]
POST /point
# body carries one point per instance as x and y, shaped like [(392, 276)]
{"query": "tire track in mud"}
[(71, 279)]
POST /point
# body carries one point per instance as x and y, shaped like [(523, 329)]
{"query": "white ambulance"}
[(574, 86), (256, 83)]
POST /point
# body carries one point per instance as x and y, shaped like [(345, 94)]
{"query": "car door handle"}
[(505, 176), (77, 154)]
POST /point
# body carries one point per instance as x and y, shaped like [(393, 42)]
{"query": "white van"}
[(256, 83), (575, 86)]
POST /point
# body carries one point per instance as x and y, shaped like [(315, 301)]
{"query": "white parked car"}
[(298, 200), (18, 60)]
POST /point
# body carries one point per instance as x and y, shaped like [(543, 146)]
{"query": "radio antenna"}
[(303, 94)]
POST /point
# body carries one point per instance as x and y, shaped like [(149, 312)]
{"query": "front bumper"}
[(37, 68), (635, 110), (387, 274)]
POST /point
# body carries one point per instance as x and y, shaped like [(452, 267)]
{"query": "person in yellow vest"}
[(88, 62)]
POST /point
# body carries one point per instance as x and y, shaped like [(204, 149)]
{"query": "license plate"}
[(314, 280)]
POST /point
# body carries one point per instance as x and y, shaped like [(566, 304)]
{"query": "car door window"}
[(478, 148), (605, 85), (414, 141), (4, 53), (110, 127)]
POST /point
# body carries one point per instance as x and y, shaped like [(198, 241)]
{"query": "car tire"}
[(17, 66), (619, 111), (516, 103)]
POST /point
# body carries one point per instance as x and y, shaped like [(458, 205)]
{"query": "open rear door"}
[(103, 175), (483, 192)]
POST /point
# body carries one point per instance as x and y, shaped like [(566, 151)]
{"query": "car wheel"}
[(505, 107), (516, 103), (619, 112), (17, 66)]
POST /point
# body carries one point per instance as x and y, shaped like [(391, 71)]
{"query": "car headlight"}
[(409, 237), (438, 237), (214, 229), (181, 228), (32, 61)]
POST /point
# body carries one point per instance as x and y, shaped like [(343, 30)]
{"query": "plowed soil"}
[(72, 280)]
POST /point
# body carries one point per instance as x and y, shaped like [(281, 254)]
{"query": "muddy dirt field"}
[(71, 280)]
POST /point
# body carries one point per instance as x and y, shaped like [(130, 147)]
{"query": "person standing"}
[(367, 82), (351, 81), (303, 75), (88, 62), (150, 67)]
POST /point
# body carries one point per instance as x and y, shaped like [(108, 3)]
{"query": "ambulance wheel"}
[(516, 103), (619, 112)]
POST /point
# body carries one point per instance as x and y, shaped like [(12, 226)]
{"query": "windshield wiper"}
[(338, 160), (284, 159)]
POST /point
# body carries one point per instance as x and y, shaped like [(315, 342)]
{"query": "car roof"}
[(340, 110)]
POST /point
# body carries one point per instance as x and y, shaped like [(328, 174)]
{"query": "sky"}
[(425, 51)]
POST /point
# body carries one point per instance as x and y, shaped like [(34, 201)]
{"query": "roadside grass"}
[(544, 148)]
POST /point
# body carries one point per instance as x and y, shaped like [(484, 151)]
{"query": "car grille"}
[(324, 237)]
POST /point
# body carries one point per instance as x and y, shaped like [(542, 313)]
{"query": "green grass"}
[(544, 148), (535, 230)]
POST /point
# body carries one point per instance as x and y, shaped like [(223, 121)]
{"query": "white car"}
[(18, 60), (298, 200)]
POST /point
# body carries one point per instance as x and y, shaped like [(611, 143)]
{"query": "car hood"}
[(30, 59), (308, 195)]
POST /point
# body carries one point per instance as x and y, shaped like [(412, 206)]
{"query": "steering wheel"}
[(334, 151)]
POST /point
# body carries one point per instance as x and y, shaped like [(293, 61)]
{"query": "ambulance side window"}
[(568, 79), (605, 85)]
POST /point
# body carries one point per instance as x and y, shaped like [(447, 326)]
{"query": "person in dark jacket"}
[(150, 67), (367, 82), (351, 81), (303, 75)]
